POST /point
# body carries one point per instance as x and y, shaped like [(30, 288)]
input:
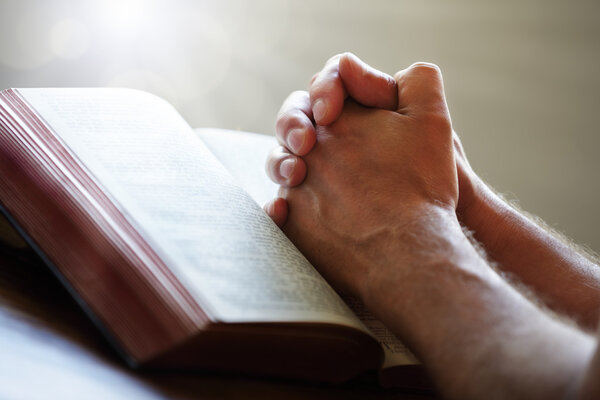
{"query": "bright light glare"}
[(124, 15), (69, 39)]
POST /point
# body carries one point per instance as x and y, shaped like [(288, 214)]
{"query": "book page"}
[(395, 352), (244, 154), (220, 244)]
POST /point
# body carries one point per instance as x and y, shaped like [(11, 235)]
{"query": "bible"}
[(156, 230)]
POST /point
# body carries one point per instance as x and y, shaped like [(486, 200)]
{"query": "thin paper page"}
[(396, 353), (221, 245), (244, 155)]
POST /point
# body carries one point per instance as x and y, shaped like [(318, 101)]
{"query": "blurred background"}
[(522, 77)]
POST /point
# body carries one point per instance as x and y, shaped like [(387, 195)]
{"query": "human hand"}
[(376, 179), (362, 207), (344, 75)]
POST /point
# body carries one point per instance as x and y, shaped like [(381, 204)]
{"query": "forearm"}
[(566, 280), (474, 332)]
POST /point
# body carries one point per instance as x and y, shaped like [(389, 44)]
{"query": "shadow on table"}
[(50, 349)]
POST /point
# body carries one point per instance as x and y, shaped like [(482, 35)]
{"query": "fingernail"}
[(320, 109), (287, 167), (295, 140)]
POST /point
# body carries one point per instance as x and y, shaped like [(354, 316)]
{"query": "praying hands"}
[(376, 191)]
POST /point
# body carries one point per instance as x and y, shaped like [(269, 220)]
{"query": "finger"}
[(294, 127), (327, 93), (284, 168), (421, 89), (312, 80), (277, 209), (346, 75), (367, 85)]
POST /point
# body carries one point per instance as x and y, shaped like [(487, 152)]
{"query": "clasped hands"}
[(374, 188), (365, 161)]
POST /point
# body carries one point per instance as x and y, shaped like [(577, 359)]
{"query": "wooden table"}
[(50, 350)]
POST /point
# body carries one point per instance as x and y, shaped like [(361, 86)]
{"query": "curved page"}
[(220, 244)]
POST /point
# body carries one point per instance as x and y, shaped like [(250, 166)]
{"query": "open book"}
[(156, 230)]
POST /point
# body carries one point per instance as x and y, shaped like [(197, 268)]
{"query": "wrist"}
[(431, 242), (485, 214)]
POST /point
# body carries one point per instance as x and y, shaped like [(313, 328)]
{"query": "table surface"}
[(50, 349)]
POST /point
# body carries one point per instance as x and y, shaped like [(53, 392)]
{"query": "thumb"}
[(421, 90), (367, 85), (346, 75)]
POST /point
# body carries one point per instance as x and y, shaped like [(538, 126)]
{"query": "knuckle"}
[(335, 58), (293, 100), (269, 165), (426, 68), (347, 55), (324, 83), (398, 75), (280, 126), (288, 118), (324, 77), (391, 83), (420, 69), (291, 114), (275, 156), (298, 94)]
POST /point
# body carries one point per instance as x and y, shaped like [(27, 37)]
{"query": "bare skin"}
[(564, 279), (378, 214)]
